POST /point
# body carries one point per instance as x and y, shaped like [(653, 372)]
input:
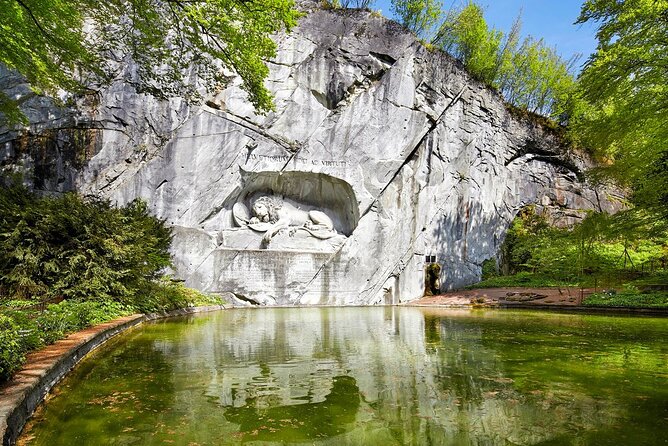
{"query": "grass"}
[(628, 299), (531, 280), (523, 279)]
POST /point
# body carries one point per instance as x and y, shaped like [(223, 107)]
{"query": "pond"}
[(368, 376)]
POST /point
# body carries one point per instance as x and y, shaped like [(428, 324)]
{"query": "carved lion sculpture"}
[(271, 214)]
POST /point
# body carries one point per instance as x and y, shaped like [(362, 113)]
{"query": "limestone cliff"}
[(380, 152)]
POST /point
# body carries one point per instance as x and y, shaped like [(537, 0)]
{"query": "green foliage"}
[(529, 74), (23, 331), (66, 317), (166, 295), (161, 296), (18, 304), (538, 79), (72, 248), (105, 262), (465, 35), (595, 249), (624, 88), (46, 42), (11, 353), (652, 278), (627, 299), (524, 279), (29, 337), (490, 269), (419, 16)]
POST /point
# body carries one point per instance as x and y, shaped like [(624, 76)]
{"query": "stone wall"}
[(381, 152)]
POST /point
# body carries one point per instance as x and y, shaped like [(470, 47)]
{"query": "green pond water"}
[(369, 376)]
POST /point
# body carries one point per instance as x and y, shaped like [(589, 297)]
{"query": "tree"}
[(78, 248), (530, 75), (625, 86), (420, 16), (537, 79), (465, 34), (73, 45)]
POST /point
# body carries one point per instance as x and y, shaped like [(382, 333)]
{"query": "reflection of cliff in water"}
[(307, 421), (385, 376), (420, 376)]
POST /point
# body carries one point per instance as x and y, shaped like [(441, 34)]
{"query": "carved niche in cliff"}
[(290, 211)]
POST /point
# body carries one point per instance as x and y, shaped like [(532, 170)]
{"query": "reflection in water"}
[(370, 376), (307, 421)]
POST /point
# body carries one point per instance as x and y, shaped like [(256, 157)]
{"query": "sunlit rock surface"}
[(403, 151)]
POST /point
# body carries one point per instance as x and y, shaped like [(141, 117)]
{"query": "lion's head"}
[(266, 208)]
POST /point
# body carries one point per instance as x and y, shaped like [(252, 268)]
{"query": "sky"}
[(552, 20)]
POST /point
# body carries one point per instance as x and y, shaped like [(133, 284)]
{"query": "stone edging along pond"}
[(20, 396)]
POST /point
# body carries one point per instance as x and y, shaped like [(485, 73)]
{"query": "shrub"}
[(52, 326), (166, 295), (11, 353), (586, 253), (74, 248), (489, 269), (100, 261)]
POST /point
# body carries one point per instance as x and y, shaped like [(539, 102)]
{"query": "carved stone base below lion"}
[(264, 277), (292, 239)]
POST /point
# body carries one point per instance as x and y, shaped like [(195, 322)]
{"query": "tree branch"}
[(34, 19)]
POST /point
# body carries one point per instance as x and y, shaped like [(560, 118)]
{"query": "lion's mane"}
[(273, 205)]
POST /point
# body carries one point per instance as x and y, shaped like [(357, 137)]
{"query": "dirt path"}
[(508, 296)]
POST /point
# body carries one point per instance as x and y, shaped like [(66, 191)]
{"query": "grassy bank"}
[(618, 293), (628, 299), (523, 279), (26, 326), (534, 280)]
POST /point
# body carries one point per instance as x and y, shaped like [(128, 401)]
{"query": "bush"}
[(594, 251), (11, 353), (159, 297), (166, 295), (489, 269), (30, 337), (52, 325), (74, 248), (100, 261)]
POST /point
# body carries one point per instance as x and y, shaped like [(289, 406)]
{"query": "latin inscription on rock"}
[(257, 272), (298, 160)]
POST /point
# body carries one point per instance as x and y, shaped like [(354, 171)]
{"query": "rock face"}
[(380, 153)]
